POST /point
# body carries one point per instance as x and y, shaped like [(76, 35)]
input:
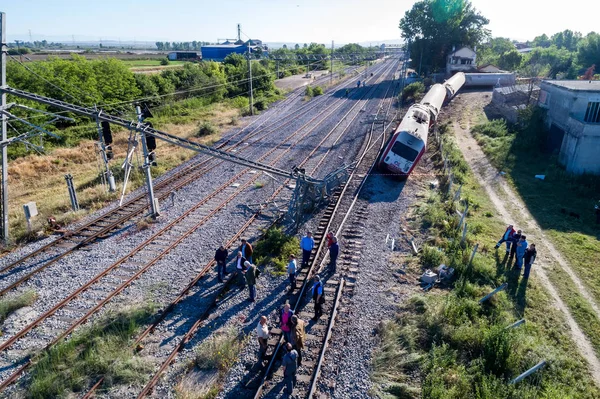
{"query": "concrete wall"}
[(580, 148)]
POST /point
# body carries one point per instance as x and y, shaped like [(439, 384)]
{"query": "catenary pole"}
[(250, 95), (331, 80), (153, 201), (4, 201)]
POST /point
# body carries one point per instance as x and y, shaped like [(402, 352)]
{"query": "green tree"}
[(510, 60), (588, 52), (433, 27), (542, 41), (557, 60), (566, 39)]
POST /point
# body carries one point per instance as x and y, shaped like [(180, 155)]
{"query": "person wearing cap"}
[(307, 244), (251, 274), (221, 259), (262, 333), (317, 295)]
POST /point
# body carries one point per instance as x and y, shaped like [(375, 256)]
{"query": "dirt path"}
[(511, 207)]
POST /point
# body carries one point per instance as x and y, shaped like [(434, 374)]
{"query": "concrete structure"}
[(218, 52), (183, 56), (508, 101), (574, 121), (489, 68), (461, 60)]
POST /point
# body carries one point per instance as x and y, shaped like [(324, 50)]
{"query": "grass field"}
[(550, 202), (40, 178), (444, 344), (102, 349)]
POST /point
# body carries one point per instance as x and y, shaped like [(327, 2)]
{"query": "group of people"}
[(248, 272), (292, 327), (518, 247), (293, 331)]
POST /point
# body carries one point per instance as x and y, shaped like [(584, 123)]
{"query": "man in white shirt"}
[(291, 269), (262, 332), (241, 269)]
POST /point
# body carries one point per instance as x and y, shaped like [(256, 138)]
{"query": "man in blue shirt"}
[(521, 248), (307, 244), (317, 295)]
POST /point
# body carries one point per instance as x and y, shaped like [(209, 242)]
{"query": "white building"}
[(574, 121), (463, 60)]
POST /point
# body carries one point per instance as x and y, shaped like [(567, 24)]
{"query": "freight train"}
[(409, 141)]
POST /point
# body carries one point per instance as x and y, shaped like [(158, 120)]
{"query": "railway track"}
[(338, 284), (313, 166), (75, 309), (102, 226)]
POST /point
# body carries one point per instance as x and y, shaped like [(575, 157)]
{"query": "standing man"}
[(290, 367), (530, 255), (221, 259), (520, 251), (317, 295), (329, 238), (291, 269), (298, 335), (246, 250), (506, 237), (240, 266), (262, 332), (251, 276), (307, 244), (334, 251), (515, 239)]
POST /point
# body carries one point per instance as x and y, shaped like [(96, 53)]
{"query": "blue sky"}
[(272, 21)]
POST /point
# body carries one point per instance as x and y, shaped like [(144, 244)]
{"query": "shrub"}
[(239, 102), (206, 129), (317, 91), (431, 257), (494, 128), (275, 247), (165, 61), (309, 91), (219, 352), (413, 90), (261, 104)]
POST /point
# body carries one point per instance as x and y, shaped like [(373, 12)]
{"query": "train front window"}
[(404, 151)]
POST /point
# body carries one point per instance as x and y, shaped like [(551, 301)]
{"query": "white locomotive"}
[(409, 141)]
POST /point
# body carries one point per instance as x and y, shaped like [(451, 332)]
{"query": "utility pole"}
[(4, 201), (331, 80), (154, 208), (239, 32), (250, 95)]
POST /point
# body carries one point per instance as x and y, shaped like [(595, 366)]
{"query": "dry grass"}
[(40, 178)]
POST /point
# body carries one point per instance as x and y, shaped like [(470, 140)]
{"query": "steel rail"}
[(323, 257), (28, 328), (191, 332), (183, 174), (126, 217)]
